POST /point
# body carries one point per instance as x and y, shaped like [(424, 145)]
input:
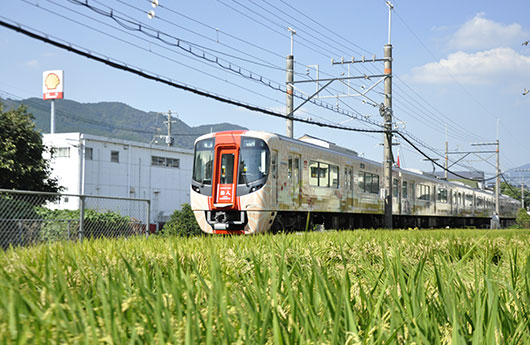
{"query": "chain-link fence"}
[(28, 218)]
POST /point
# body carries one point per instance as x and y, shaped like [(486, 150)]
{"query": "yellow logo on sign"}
[(52, 81)]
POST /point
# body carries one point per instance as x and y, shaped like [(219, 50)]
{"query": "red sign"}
[(225, 193)]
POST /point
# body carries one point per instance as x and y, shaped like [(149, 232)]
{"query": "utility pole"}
[(169, 139), (497, 180), (498, 169), (385, 109), (290, 86), (446, 172), (387, 113)]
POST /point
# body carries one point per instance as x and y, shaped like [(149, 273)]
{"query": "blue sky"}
[(457, 64)]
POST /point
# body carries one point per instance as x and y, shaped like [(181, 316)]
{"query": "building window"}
[(62, 152), (115, 156), (165, 162), (88, 153)]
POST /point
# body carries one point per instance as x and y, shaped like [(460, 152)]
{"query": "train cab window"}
[(395, 187), (404, 190), (227, 168), (203, 161), (253, 160)]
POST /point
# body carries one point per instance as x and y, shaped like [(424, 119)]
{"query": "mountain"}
[(113, 119)]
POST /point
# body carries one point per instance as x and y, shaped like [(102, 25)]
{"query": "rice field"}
[(350, 287)]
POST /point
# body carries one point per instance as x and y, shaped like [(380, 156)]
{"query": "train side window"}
[(404, 191), (469, 199), (362, 185), (334, 176), (323, 176), (395, 186), (424, 192), (375, 184), (442, 195), (313, 173)]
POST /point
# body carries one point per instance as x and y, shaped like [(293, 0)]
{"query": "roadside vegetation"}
[(350, 287)]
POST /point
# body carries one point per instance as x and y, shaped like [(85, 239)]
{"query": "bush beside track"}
[(370, 286)]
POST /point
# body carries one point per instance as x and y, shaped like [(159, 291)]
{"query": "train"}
[(250, 182)]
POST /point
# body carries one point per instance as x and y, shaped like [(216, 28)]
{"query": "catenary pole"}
[(290, 86), (387, 113)]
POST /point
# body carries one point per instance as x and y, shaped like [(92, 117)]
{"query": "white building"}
[(92, 165)]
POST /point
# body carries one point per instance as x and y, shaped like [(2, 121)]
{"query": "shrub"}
[(523, 219), (182, 223)]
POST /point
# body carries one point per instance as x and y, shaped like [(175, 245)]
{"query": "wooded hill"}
[(114, 120)]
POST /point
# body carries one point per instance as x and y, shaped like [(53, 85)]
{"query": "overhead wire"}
[(228, 66)]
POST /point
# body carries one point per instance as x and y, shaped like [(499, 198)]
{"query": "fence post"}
[(81, 216), (68, 229), (148, 225)]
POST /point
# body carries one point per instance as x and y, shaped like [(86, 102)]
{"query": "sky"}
[(459, 67)]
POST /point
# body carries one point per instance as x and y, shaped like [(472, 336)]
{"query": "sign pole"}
[(52, 117), (52, 89)]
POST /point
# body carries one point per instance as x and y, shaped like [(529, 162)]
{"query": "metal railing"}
[(28, 218)]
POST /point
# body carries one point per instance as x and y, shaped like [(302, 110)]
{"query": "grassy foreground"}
[(370, 287)]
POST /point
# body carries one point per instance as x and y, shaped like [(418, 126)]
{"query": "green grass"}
[(351, 287)]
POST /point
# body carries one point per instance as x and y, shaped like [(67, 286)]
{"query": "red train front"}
[(229, 192)]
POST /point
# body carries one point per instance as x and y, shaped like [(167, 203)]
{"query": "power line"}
[(119, 65), (250, 75)]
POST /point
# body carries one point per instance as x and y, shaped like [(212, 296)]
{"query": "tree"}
[(22, 165), (523, 219), (182, 223)]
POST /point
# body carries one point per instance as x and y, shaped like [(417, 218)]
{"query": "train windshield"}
[(253, 160), (203, 161)]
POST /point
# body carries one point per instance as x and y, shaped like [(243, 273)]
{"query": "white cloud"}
[(479, 68), (480, 33), (31, 63)]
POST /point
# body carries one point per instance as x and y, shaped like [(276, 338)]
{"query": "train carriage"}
[(251, 182)]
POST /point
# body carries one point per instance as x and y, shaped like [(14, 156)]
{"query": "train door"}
[(348, 185), (293, 178), (275, 177), (412, 197), (225, 177)]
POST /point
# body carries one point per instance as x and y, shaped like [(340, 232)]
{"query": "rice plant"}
[(351, 287)]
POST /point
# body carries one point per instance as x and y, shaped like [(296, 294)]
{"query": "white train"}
[(251, 182)]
